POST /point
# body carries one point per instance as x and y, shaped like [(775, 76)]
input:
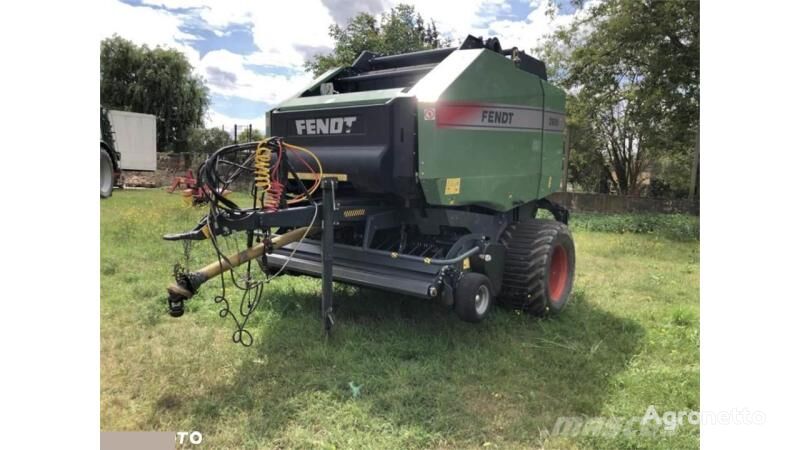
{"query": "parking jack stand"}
[(328, 206)]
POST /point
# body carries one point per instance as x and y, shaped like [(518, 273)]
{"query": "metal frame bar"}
[(328, 207)]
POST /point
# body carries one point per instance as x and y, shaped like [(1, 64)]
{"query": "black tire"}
[(106, 174), (473, 297), (539, 266)]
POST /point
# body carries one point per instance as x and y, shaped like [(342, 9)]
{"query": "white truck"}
[(127, 143)]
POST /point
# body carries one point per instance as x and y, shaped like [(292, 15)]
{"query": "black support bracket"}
[(560, 213), (328, 207)]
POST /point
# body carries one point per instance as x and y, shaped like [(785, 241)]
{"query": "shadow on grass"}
[(414, 369)]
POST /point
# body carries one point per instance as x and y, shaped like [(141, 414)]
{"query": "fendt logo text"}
[(329, 125)]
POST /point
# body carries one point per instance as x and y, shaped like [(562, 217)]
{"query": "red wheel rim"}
[(557, 279)]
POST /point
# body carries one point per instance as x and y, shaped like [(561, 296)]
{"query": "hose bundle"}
[(266, 168), (269, 181)]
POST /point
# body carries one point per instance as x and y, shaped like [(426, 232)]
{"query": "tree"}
[(401, 30), (155, 81), (632, 68), (207, 140)]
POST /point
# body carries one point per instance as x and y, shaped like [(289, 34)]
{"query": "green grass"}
[(628, 339), (679, 227)]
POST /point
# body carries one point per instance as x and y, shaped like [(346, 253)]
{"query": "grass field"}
[(628, 339)]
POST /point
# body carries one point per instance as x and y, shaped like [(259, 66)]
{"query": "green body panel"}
[(553, 143), (497, 169)]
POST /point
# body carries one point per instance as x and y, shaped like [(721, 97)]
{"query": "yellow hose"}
[(263, 179), (261, 166)]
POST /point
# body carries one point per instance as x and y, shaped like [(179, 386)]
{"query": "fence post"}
[(566, 160), (695, 166)]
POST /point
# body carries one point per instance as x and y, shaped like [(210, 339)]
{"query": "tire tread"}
[(528, 245)]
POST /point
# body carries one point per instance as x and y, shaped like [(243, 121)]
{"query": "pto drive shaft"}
[(186, 286)]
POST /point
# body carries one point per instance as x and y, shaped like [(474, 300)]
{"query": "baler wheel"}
[(473, 297), (539, 266)]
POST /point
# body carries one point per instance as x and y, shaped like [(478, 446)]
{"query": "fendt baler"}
[(432, 167)]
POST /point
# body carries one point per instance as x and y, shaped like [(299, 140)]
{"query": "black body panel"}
[(532, 65), (375, 145)]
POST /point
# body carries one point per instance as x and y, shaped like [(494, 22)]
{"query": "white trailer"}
[(135, 139)]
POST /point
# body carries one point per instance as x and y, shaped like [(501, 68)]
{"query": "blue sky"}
[(251, 52)]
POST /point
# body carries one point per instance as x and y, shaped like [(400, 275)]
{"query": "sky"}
[(251, 53)]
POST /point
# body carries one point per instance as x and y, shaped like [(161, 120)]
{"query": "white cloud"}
[(281, 30), (282, 34), (480, 18), (457, 19), (146, 26), (241, 82), (217, 13), (300, 24), (529, 33), (343, 10)]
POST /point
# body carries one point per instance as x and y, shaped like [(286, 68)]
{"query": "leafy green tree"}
[(155, 81), (587, 167), (632, 68), (207, 140), (400, 30)]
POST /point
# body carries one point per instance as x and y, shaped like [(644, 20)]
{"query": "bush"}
[(680, 227)]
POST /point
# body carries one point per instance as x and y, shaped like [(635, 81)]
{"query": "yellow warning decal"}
[(312, 176), (466, 263), (452, 186), (355, 212)]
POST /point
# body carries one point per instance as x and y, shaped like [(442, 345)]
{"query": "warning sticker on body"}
[(452, 186)]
